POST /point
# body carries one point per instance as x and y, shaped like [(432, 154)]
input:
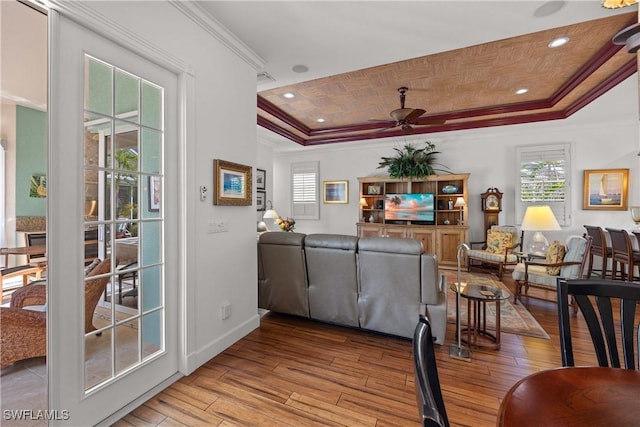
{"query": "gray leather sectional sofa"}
[(374, 283)]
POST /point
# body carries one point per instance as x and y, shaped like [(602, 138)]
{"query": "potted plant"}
[(412, 162)]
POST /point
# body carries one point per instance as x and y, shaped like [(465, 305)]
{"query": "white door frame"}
[(82, 14)]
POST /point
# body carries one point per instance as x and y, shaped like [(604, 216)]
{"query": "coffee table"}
[(478, 296)]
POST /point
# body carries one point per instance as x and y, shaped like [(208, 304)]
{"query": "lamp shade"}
[(614, 4), (539, 218), (363, 202), (460, 202), (270, 214)]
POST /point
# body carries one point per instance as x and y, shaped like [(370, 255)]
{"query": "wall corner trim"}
[(200, 16)]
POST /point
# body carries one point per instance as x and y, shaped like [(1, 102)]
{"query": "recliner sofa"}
[(374, 283)]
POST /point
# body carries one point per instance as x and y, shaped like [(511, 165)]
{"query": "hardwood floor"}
[(295, 372)]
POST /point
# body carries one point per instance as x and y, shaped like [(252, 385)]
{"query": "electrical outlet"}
[(225, 310)]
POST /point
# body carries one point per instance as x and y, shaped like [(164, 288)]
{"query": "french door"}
[(112, 193)]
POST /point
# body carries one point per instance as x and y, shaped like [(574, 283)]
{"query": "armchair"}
[(497, 251), (544, 274), (23, 325)]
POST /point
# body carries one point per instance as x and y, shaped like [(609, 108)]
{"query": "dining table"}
[(573, 396)]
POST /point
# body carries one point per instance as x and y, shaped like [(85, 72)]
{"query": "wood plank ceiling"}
[(469, 88)]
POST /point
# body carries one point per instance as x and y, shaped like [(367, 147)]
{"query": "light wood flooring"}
[(295, 372)]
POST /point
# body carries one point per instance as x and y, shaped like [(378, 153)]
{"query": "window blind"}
[(304, 190), (544, 173)]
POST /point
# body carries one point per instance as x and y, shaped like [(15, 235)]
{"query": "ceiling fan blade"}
[(390, 126), (407, 128), (417, 112)]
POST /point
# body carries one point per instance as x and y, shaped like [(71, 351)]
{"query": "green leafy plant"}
[(412, 162)]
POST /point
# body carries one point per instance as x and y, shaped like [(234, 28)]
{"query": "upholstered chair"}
[(497, 251), (544, 274), (23, 325)]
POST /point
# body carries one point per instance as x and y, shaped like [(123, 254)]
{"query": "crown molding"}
[(81, 13), (200, 16)]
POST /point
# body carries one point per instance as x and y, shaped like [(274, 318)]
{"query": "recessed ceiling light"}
[(300, 68), (320, 120), (288, 95), (522, 91), (558, 42)]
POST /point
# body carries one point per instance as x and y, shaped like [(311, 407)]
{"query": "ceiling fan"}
[(406, 118)]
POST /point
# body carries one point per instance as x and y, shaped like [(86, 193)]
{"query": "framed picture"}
[(154, 193), (38, 186), (606, 189), (261, 200), (335, 191), (232, 184), (261, 179)]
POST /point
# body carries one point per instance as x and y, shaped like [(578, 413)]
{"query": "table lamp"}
[(538, 219), (635, 216), (460, 204), (270, 213)]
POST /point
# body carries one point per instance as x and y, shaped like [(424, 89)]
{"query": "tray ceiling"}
[(470, 87)]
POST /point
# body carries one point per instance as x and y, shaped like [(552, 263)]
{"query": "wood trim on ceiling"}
[(354, 132)]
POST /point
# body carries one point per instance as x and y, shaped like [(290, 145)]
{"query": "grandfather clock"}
[(491, 206)]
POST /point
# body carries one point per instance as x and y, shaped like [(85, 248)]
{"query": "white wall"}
[(603, 135), (224, 117)]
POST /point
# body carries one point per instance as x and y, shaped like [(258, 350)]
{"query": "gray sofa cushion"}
[(390, 294), (333, 278), (283, 287)]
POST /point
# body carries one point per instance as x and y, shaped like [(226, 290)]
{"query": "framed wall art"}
[(38, 186), (261, 200), (606, 189), (154, 193), (232, 184), (261, 179), (335, 191)]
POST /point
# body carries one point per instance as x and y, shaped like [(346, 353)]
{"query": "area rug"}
[(514, 319)]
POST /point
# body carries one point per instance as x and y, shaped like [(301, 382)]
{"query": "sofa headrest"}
[(331, 241), (390, 244), (282, 238)]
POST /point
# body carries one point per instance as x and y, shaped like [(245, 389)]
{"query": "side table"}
[(477, 297)]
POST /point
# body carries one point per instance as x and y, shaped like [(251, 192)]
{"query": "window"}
[(544, 173), (305, 190)]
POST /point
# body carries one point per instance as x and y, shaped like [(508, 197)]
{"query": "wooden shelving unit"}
[(441, 238)]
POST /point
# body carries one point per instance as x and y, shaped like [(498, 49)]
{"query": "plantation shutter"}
[(544, 173), (305, 190)]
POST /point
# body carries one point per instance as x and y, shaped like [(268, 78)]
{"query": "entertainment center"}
[(423, 209)]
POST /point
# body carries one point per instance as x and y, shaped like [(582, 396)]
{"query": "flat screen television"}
[(417, 208)]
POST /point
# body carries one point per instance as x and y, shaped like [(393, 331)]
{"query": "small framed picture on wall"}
[(261, 179)]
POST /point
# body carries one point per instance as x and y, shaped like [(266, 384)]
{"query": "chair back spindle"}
[(596, 300), (428, 393)]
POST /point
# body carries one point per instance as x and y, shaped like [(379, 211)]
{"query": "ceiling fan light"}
[(400, 113)]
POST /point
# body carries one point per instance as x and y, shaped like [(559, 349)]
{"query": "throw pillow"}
[(555, 254), (498, 241)]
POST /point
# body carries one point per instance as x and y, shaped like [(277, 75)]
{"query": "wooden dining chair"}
[(598, 248), (622, 254), (596, 299), (428, 393)]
